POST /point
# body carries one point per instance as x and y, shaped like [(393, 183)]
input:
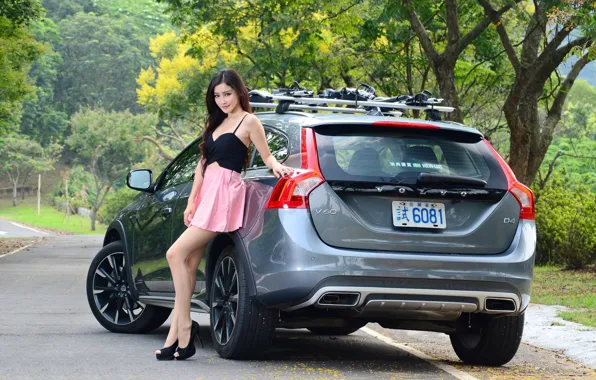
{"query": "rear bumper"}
[(292, 268)]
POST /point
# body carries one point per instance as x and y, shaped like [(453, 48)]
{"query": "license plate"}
[(418, 214)]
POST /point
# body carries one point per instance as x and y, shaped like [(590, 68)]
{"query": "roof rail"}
[(355, 102)]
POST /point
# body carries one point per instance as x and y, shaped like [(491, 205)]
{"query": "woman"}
[(216, 202)]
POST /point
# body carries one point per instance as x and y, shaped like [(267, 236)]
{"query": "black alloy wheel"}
[(225, 301), (111, 291), (241, 327), (110, 297)]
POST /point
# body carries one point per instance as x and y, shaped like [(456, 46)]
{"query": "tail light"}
[(521, 192), (293, 191)]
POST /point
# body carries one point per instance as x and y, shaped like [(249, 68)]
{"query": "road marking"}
[(29, 228), (461, 375), (15, 251)]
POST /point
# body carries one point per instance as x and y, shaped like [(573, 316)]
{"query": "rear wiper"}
[(445, 179)]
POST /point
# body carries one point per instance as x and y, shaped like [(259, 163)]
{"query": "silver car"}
[(411, 224)]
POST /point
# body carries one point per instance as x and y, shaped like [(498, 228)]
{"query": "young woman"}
[(216, 202)]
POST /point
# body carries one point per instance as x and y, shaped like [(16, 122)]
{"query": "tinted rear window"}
[(373, 154)]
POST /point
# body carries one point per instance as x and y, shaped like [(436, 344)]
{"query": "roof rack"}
[(355, 101)]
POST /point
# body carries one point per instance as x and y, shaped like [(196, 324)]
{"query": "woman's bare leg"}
[(192, 263), (191, 240)]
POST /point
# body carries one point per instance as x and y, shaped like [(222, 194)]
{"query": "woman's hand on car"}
[(280, 170)]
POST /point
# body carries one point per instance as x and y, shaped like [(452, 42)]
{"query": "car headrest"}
[(421, 154), (365, 161)]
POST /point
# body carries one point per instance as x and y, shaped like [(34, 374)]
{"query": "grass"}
[(50, 218), (573, 289)]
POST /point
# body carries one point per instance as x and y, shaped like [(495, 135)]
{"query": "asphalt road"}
[(14, 229), (48, 332)]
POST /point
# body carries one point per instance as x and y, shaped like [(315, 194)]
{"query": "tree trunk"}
[(14, 194), (93, 215), (446, 81)]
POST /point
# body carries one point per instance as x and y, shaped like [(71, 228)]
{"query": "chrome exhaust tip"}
[(500, 305), (339, 299)]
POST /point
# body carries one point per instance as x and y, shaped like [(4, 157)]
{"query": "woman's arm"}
[(196, 186), (257, 136), (198, 180)]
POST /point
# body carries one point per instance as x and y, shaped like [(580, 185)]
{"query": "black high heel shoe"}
[(194, 331), (167, 353), (188, 351)]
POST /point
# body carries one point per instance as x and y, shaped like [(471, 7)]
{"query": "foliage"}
[(101, 58), (18, 50), (80, 187), (61, 9), (114, 203), (147, 15), (165, 90), (271, 44), (21, 156), (574, 146), (565, 215), (20, 12), (174, 90), (41, 118), (106, 146)]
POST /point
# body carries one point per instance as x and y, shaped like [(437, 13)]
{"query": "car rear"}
[(409, 204)]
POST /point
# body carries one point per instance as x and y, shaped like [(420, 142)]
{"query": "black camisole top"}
[(227, 150)]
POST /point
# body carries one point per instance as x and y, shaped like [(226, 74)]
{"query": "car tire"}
[(240, 327), (110, 299), (346, 330), (493, 344)]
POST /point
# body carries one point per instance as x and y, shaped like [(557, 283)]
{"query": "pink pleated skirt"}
[(220, 201)]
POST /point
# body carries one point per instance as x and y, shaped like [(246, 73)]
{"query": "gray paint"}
[(364, 221)]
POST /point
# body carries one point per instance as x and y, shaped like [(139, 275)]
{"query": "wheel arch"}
[(116, 232), (215, 249)]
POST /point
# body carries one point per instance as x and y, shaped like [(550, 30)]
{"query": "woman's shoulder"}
[(252, 119)]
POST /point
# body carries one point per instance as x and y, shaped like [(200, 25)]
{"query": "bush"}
[(114, 202), (566, 224)]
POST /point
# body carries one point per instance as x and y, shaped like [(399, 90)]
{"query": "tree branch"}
[(453, 32), (547, 66), (162, 152), (420, 31), (341, 11), (171, 125), (554, 115), (495, 17)]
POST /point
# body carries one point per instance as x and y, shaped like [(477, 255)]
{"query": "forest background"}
[(90, 89)]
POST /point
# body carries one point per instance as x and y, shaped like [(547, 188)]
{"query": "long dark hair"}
[(216, 115)]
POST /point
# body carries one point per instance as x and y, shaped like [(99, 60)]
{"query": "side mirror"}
[(139, 179)]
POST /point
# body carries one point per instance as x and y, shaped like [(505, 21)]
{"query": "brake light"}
[(521, 192), (404, 124), (293, 191)]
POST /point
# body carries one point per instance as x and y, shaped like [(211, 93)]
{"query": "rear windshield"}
[(393, 155)]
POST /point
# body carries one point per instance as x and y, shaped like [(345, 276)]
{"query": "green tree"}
[(101, 58), (41, 118), (61, 9), (463, 24), (20, 157), (274, 44), (20, 12), (553, 31), (18, 50), (106, 144)]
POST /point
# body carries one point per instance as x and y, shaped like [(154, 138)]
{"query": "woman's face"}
[(226, 98)]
